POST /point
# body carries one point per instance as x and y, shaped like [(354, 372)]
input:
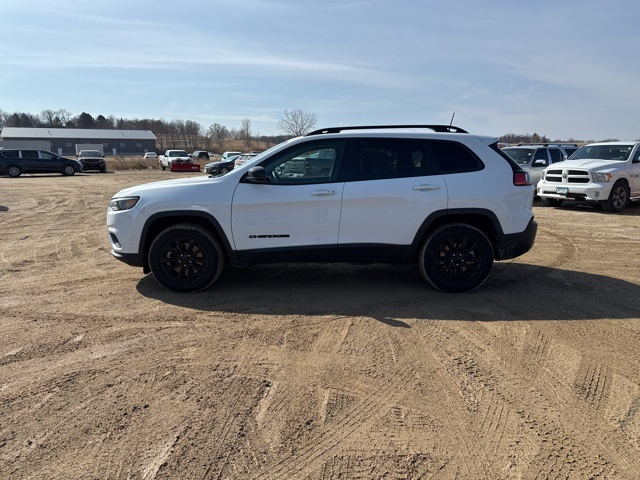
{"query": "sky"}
[(566, 69)]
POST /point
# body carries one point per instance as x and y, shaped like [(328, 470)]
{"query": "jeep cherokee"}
[(434, 195)]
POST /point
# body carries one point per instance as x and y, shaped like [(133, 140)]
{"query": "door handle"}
[(323, 193), (423, 188)]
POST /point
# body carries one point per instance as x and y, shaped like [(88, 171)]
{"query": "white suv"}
[(607, 173), (428, 194)]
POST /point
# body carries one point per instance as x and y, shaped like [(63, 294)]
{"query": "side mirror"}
[(539, 163), (257, 175)]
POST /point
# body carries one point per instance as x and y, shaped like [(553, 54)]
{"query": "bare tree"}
[(193, 131), (297, 122), (48, 118), (219, 133), (245, 132)]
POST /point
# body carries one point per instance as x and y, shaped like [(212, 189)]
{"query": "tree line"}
[(191, 135), (185, 134)]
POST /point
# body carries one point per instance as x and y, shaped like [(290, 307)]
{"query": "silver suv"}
[(534, 158), (434, 195)]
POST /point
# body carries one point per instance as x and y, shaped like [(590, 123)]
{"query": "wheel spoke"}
[(458, 258), (185, 260)]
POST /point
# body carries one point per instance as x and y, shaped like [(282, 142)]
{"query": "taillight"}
[(521, 179)]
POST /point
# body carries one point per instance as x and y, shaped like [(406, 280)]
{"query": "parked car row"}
[(228, 162), (604, 173), (533, 158)]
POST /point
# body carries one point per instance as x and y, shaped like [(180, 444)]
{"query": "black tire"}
[(551, 202), (186, 258), (68, 170), (456, 258), (163, 167), (618, 198), (103, 169), (14, 171)]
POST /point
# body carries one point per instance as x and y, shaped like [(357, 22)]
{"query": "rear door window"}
[(393, 158), (31, 154)]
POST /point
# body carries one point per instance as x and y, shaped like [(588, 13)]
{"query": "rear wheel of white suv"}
[(186, 258), (456, 258)]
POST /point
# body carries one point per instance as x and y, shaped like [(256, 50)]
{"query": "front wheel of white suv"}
[(456, 258), (186, 258)]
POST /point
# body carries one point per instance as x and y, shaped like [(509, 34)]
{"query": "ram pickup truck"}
[(607, 173), (177, 160)]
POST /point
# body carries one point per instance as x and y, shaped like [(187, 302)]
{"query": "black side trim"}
[(131, 259), (314, 253), (352, 253), (373, 253)]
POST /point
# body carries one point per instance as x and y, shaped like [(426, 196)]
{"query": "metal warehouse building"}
[(64, 141)]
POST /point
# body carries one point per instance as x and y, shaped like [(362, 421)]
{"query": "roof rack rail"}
[(547, 144), (435, 128)]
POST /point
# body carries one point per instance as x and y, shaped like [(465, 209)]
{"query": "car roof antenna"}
[(451, 122)]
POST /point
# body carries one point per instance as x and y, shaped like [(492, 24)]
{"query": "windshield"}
[(522, 156), (90, 153), (178, 153), (618, 152)]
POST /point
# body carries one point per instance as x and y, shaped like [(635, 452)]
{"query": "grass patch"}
[(138, 163)]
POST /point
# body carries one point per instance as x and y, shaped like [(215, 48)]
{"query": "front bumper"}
[(593, 192)]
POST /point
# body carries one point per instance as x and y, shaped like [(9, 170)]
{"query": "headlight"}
[(124, 203), (602, 177)]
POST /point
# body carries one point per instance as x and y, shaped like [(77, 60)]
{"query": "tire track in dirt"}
[(558, 393), (567, 248), (344, 413), (406, 414), (592, 382), (360, 416)]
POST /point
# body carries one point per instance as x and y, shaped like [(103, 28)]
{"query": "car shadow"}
[(395, 293)]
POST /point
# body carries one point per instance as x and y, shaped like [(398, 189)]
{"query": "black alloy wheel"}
[(186, 258), (456, 258)]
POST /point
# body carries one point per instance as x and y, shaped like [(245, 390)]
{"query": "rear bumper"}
[(515, 244)]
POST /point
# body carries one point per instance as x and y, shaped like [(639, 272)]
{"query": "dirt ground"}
[(325, 372)]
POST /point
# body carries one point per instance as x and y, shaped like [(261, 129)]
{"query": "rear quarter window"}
[(453, 157), (9, 153)]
